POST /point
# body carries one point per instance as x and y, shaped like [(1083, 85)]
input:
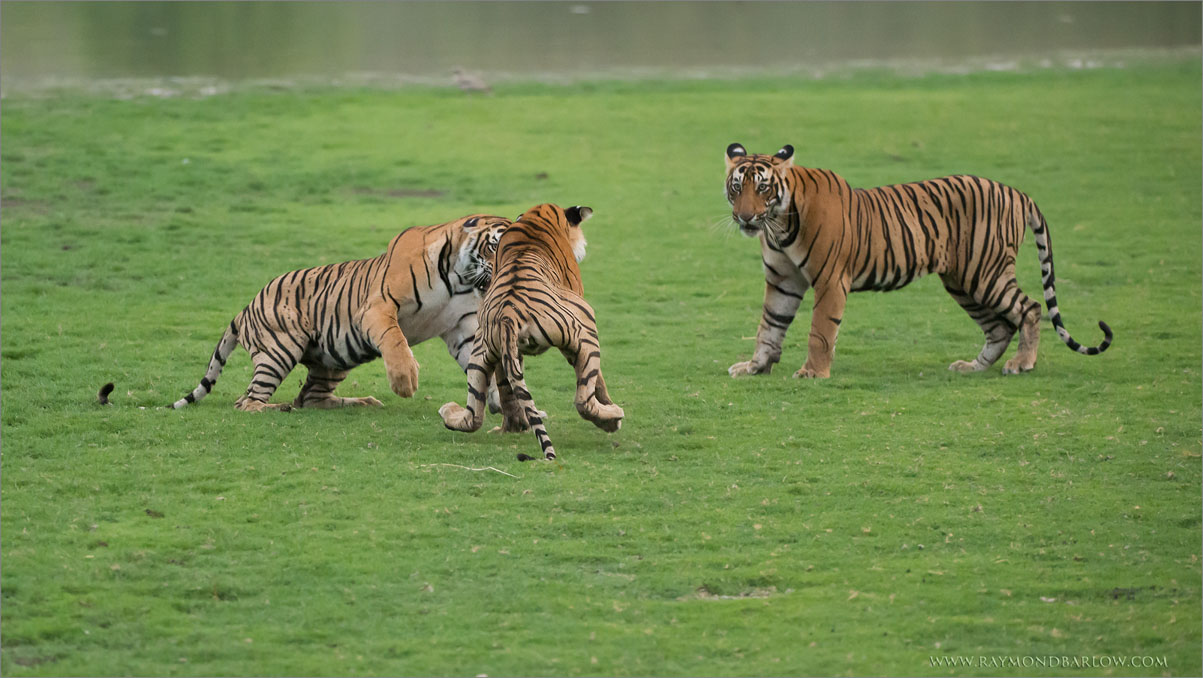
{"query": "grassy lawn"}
[(890, 517)]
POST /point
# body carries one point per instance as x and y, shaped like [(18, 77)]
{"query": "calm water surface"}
[(260, 40)]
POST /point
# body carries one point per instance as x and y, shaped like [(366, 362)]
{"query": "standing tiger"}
[(536, 302), (816, 231), (332, 318)]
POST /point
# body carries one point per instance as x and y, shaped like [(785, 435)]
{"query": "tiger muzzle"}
[(483, 280), (749, 224)]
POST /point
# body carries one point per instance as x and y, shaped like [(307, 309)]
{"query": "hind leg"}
[(318, 391), (1029, 341), (1024, 312), (592, 401), (1017, 312), (271, 367), (460, 342), (534, 418), (470, 418), (998, 332), (515, 416), (508, 404), (603, 395)]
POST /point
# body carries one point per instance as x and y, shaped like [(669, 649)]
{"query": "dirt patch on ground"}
[(703, 593), (34, 661), (18, 203), (400, 192)]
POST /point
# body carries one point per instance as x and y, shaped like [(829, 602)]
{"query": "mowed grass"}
[(867, 524)]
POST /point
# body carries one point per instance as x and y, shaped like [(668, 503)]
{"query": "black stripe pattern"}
[(817, 231), (536, 302), (335, 317)]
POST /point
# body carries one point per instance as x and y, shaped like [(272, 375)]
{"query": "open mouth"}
[(483, 279), (749, 230), (479, 276)]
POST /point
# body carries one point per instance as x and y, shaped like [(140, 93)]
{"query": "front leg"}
[(318, 391), (824, 327), (783, 292), (380, 324)]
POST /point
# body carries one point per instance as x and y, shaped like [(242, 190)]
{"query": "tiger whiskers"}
[(724, 224), (479, 274), (776, 227), (773, 230)]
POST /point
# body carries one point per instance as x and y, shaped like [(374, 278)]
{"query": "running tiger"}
[(816, 231), (335, 317), (536, 302)]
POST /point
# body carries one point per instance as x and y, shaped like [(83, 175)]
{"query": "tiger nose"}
[(745, 218)]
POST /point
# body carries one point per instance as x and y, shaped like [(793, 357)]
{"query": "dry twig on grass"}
[(469, 468)]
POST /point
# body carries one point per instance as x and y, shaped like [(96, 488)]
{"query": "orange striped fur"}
[(536, 302), (817, 232), (331, 318)]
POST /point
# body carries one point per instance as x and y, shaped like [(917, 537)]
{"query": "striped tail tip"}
[(102, 396), (185, 401), (1107, 336)]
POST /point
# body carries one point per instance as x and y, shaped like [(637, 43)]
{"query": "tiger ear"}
[(785, 156), (578, 214), (735, 152), (471, 223)]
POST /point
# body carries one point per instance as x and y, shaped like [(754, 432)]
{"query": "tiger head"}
[(566, 221), (757, 187), (474, 265)]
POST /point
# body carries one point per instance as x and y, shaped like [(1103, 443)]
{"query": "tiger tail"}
[(229, 341), (1044, 248)]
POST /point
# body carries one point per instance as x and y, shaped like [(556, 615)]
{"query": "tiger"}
[(536, 302), (816, 231), (332, 318)]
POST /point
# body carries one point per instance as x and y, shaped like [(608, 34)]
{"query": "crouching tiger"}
[(536, 302), (816, 231), (332, 318)]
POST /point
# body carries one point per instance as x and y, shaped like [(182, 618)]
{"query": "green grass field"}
[(880, 522)]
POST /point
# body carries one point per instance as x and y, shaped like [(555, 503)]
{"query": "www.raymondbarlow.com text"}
[(1048, 661)]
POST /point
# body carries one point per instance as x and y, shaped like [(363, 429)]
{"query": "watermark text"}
[(1102, 661)]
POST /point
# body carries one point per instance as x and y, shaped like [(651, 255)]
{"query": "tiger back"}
[(535, 303), (816, 231)]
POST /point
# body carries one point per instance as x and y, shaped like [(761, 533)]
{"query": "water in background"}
[(424, 41)]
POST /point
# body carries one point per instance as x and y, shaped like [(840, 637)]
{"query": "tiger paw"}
[(403, 379), (252, 405), (514, 425), (749, 367), (965, 367), (811, 373), (606, 416), (610, 425), (1016, 366), (334, 402), (610, 417), (455, 417)]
